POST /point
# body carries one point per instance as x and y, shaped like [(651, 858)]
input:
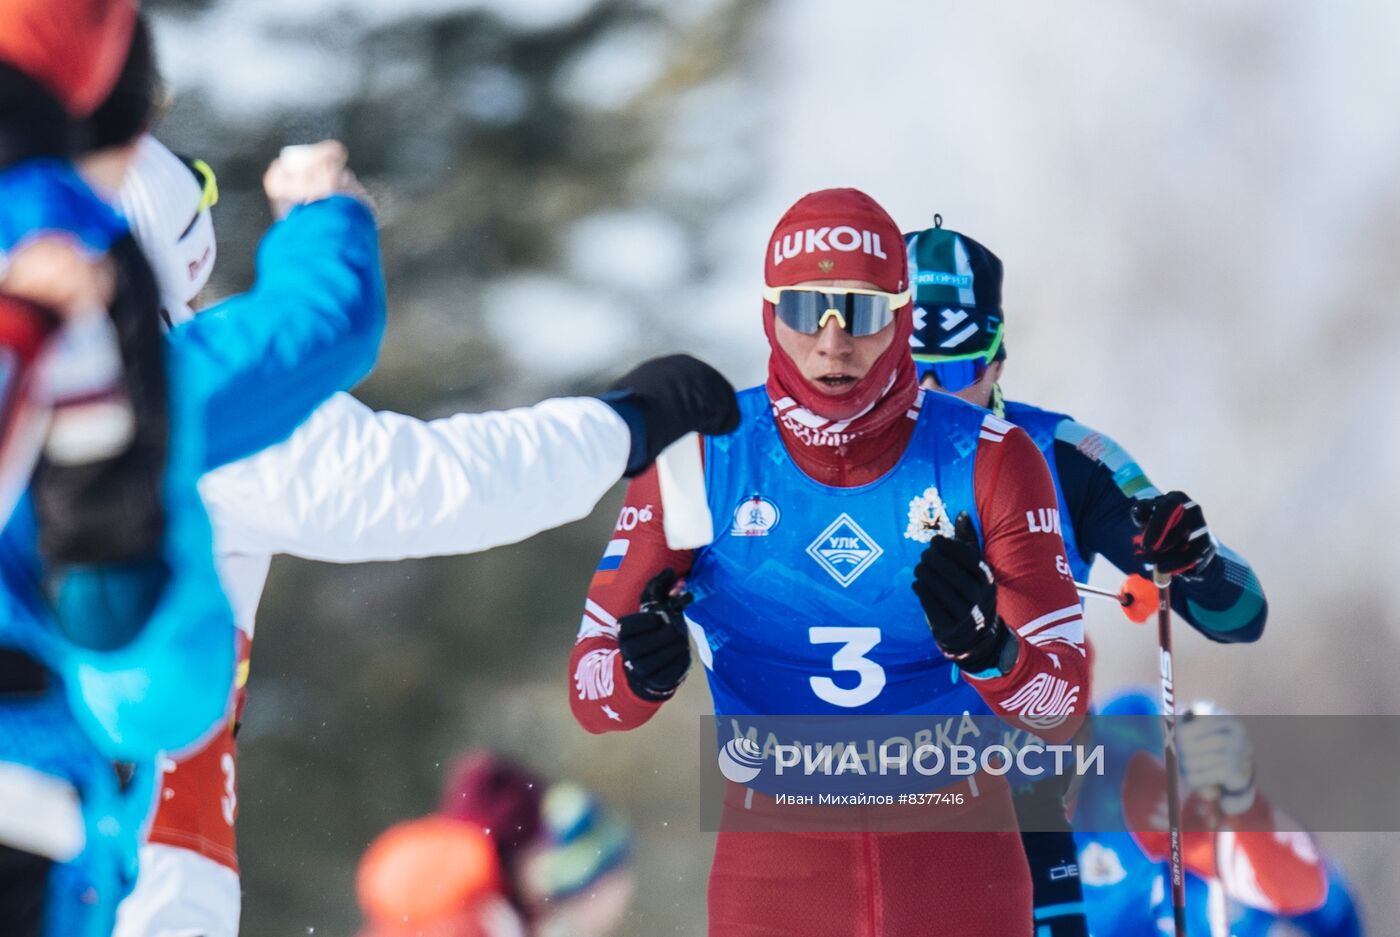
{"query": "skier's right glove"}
[(959, 595), (654, 642), (1174, 538), (664, 398)]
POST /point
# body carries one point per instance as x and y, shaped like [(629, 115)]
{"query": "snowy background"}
[(1198, 212)]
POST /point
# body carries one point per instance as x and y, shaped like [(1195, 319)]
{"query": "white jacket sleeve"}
[(352, 484)]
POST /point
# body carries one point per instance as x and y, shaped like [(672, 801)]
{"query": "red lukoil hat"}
[(837, 234)]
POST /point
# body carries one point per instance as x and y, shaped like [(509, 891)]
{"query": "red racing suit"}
[(872, 883)]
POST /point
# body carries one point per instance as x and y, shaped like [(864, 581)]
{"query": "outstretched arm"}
[(353, 485)]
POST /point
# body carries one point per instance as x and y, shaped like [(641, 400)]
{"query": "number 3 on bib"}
[(857, 642), (229, 802)]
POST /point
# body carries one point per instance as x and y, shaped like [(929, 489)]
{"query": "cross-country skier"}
[(1112, 507), (827, 502), (70, 708), (352, 485), (110, 535), (1106, 506), (1246, 871)]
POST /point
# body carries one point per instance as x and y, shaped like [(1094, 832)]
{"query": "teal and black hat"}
[(584, 841), (957, 305)]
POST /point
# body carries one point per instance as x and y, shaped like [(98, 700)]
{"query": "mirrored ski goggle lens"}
[(860, 314), (954, 376)]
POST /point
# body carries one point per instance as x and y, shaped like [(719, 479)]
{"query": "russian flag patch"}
[(611, 562)]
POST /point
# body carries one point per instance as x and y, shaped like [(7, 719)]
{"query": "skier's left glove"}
[(959, 595), (663, 399), (1217, 758), (1174, 537), (654, 642)]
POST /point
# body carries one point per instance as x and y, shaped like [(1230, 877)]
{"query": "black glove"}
[(665, 398), (959, 595), (1174, 537), (654, 642)]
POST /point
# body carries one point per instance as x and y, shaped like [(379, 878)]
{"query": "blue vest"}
[(1040, 425), (1127, 895), (803, 602)]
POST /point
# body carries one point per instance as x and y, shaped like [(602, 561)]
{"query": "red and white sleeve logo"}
[(1044, 702), (593, 678)]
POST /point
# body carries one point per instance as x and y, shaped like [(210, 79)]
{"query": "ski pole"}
[(1086, 589), (1164, 652), (1217, 898)]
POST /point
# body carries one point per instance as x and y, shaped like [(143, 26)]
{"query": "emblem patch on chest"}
[(928, 518), (844, 550), (1100, 866), (754, 517)]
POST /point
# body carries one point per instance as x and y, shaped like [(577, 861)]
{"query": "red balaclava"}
[(75, 48), (840, 234)]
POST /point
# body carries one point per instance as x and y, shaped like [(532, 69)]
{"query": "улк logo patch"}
[(844, 550), (754, 517), (928, 518)]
